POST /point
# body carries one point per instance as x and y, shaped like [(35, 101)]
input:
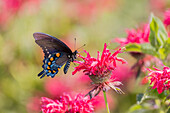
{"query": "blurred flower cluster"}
[(135, 36), (66, 104)]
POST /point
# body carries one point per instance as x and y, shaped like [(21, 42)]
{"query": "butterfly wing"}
[(56, 54), (50, 44)]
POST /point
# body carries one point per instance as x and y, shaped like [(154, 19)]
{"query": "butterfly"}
[(56, 54)]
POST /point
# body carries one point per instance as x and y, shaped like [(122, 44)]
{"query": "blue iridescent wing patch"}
[(56, 55), (50, 67)]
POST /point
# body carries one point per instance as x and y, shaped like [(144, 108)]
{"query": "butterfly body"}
[(56, 55)]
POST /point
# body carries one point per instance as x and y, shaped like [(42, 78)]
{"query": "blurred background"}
[(92, 22)]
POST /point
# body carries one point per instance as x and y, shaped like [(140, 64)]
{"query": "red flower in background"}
[(100, 70), (85, 10), (121, 75), (33, 105), (135, 36), (56, 87), (160, 79), (9, 8), (158, 5), (167, 17), (66, 104)]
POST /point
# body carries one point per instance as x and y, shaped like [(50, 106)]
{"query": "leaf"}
[(164, 51), (148, 49), (134, 108), (158, 34), (133, 47)]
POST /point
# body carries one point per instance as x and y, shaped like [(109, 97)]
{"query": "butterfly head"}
[(74, 55)]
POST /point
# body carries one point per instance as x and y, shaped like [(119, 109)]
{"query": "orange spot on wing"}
[(51, 59), (54, 71), (49, 71), (48, 67), (49, 63), (57, 54)]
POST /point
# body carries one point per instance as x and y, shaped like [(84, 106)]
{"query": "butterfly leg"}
[(41, 73), (66, 67), (42, 76)]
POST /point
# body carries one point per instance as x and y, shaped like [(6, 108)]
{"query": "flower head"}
[(167, 17), (160, 79), (66, 104), (135, 36), (100, 70)]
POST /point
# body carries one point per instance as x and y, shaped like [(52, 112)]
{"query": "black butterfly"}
[(56, 53)]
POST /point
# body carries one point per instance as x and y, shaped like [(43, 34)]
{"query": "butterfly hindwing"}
[(53, 63)]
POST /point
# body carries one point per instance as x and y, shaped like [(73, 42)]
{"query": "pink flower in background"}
[(144, 81), (33, 105), (85, 10), (169, 34), (158, 5), (160, 79), (9, 8), (121, 75), (66, 104), (167, 17), (100, 70), (135, 36), (56, 87)]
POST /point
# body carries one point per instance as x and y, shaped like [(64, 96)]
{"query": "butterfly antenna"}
[(81, 46), (74, 64), (75, 44)]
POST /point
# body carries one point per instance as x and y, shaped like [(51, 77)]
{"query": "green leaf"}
[(134, 108), (164, 51), (158, 34), (133, 47), (148, 49)]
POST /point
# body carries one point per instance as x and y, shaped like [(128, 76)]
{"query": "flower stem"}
[(107, 105)]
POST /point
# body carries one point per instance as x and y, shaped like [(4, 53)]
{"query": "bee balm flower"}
[(160, 79), (100, 70), (167, 17), (135, 36), (66, 104)]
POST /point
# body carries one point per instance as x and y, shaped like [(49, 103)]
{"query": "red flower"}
[(56, 87), (9, 8), (100, 70), (66, 104), (158, 5), (160, 79), (87, 10), (33, 105), (167, 17), (135, 36), (144, 80)]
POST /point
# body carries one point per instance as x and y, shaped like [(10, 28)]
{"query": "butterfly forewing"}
[(50, 44)]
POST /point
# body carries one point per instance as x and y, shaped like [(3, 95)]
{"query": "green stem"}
[(107, 105)]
